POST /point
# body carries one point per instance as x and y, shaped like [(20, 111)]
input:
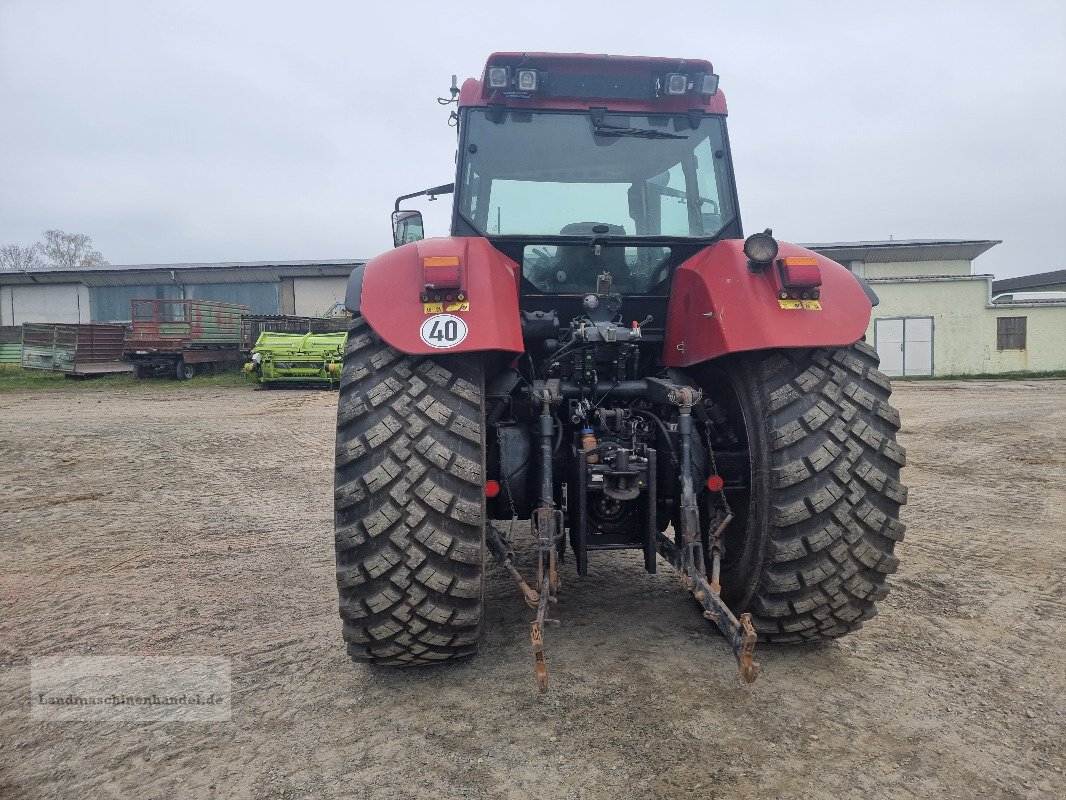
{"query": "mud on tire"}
[(824, 511), (409, 503)]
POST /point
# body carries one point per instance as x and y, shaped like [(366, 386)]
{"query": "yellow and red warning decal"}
[(805, 305), (446, 308)]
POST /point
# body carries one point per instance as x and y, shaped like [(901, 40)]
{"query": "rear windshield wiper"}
[(640, 133)]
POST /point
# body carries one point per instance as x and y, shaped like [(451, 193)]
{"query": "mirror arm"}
[(446, 188)]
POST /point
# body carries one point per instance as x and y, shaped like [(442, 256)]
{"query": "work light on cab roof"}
[(597, 351), (519, 75)]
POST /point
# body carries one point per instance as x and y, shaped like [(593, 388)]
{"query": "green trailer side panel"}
[(11, 353), (193, 323), (69, 347)]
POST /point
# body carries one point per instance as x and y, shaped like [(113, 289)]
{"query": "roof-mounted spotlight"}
[(499, 77), (676, 83), (527, 80), (705, 83)]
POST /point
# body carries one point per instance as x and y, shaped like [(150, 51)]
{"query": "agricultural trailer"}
[(297, 359), (179, 338), (597, 358), (78, 350), (11, 345)]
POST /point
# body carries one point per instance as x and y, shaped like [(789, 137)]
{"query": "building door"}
[(918, 346), (48, 302), (888, 334), (905, 345)]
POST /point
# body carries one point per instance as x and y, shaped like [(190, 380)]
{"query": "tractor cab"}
[(576, 165)]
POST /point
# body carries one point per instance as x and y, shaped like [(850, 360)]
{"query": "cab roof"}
[(579, 81)]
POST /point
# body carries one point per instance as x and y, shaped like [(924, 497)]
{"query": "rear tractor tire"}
[(820, 521), (409, 502)]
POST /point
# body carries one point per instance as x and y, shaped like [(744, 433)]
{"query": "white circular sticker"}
[(443, 331)]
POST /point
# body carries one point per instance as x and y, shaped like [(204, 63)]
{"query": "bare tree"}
[(70, 250), (15, 256)]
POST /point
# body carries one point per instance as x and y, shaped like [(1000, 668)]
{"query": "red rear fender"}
[(477, 308), (719, 306)]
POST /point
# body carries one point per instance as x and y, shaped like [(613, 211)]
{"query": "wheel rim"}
[(745, 538)]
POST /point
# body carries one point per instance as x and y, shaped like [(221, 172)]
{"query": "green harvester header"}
[(297, 358)]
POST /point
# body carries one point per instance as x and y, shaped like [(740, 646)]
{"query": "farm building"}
[(936, 315), (306, 288), (1054, 281)]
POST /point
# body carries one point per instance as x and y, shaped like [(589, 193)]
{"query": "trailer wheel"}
[(812, 543), (409, 502), (184, 370), (140, 371)]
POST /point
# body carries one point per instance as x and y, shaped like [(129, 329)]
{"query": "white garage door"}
[(905, 345), (58, 302), (316, 297)]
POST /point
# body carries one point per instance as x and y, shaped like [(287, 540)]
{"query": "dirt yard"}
[(148, 521)]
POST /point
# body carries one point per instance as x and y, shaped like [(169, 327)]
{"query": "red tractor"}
[(598, 350)]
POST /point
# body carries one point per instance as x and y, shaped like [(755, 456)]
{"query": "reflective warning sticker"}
[(443, 330), (805, 305), (440, 308)]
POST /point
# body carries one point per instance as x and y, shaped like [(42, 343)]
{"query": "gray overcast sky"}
[(211, 131)]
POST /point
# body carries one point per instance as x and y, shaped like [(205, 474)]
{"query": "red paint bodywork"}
[(718, 306), (477, 93), (393, 286)]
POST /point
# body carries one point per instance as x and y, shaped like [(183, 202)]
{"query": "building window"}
[(1010, 333)]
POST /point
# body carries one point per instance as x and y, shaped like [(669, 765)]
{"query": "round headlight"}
[(760, 248)]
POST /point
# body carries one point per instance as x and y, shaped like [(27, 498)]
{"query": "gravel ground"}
[(145, 521)]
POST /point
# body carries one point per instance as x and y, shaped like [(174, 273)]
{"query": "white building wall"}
[(316, 296), (46, 302), (964, 327)]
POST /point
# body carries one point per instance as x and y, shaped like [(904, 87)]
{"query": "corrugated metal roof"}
[(905, 250), (930, 278), (1029, 281), (155, 274)]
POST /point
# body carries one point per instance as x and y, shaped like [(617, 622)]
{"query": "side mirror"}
[(407, 227)]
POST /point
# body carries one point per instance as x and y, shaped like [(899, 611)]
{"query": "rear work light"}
[(676, 83), (499, 77), (527, 80), (760, 248), (800, 272), (705, 83)]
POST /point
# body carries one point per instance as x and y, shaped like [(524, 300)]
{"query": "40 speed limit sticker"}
[(443, 331)]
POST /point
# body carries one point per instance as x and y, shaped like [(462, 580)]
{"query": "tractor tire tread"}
[(409, 503), (835, 493)]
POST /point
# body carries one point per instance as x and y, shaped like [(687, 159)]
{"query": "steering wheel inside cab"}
[(574, 268)]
